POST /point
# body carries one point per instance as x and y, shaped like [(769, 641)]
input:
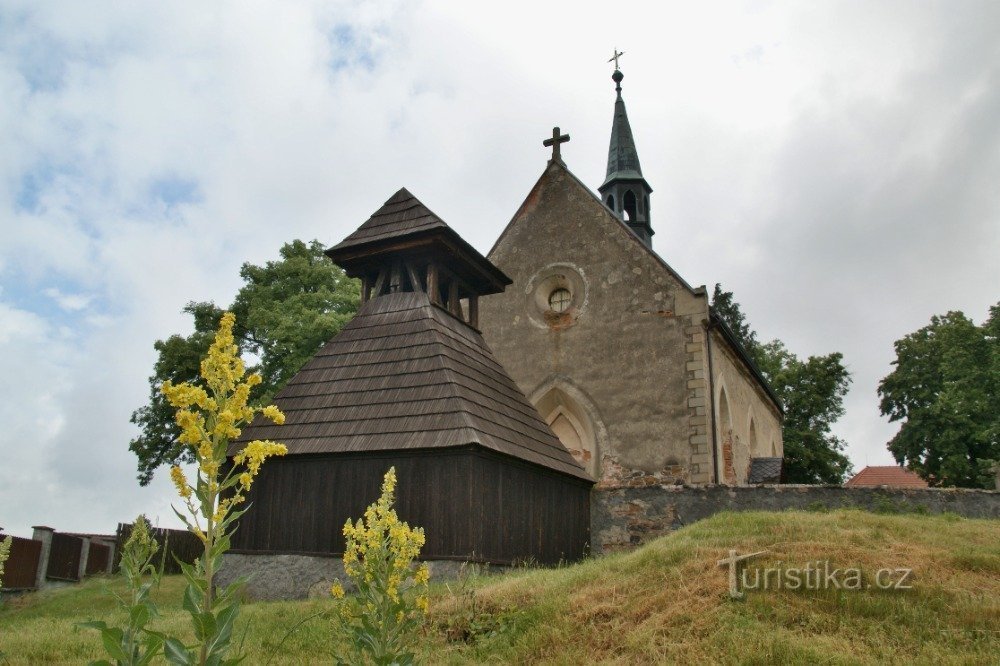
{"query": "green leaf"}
[(112, 639), (175, 653), (224, 621), (204, 625), (138, 616), (193, 599), (153, 645)]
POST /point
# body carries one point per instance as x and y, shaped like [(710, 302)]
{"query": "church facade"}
[(626, 361)]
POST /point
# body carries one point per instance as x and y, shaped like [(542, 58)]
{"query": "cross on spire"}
[(556, 139), (617, 54)]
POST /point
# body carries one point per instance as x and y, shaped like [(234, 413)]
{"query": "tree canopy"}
[(945, 392), (812, 393), (285, 310)]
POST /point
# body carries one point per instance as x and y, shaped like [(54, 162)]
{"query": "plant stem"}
[(209, 573)]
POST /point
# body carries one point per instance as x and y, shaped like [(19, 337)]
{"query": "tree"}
[(285, 310), (811, 391), (945, 391), (725, 306)]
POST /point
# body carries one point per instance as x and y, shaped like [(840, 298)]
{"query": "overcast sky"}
[(836, 165)]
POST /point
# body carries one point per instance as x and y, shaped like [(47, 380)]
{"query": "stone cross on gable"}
[(555, 141)]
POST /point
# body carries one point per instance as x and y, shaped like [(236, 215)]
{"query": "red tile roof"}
[(889, 475)]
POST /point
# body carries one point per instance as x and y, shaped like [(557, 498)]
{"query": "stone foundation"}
[(622, 518), (273, 577)]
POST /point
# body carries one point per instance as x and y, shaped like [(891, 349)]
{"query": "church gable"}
[(591, 307), (561, 212)]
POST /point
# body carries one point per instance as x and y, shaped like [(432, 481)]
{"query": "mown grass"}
[(664, 603)]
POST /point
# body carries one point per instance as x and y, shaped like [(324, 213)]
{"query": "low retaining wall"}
[(272, 577), (623, 518)]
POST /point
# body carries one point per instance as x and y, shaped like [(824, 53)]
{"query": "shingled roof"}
[(406, 374), (401, 215), (403, 227)]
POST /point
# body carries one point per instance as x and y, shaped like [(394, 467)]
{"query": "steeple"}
[(625, 191), (404, 247)]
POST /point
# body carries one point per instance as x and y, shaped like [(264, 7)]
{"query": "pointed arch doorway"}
[(574, 420)]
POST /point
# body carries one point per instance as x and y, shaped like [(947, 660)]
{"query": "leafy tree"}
[(945, 391), (285, 310), (725, 306), (811, 391)]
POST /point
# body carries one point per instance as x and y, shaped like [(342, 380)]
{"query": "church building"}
[(508, 391), (642, 382)]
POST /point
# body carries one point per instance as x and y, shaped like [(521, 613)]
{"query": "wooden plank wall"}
[(473, 505), (21, 569), (64, 557), (97, 558), (527, 513)]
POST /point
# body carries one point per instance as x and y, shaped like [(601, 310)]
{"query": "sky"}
[(834, 164)]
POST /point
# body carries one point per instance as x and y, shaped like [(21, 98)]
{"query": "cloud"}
[(69, 302)]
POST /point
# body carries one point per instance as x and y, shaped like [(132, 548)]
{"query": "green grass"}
[(666, 602)]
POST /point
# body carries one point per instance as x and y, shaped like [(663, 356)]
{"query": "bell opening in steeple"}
[(628, 206)]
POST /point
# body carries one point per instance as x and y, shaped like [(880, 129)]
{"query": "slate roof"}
[(406, 374), (623, 158), (888, 475), (765, 470)]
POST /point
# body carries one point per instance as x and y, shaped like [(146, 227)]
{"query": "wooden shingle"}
[(407, 374)]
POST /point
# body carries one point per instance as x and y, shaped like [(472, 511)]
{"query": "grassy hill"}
[(663, 603)]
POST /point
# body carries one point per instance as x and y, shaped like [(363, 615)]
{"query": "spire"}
[(625, 191), (623, 159)]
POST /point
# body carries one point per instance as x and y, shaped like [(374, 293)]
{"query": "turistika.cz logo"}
[(815, 575)]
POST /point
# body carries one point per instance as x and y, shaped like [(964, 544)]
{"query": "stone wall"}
[(623, 518), (610, 371), (274, 577)]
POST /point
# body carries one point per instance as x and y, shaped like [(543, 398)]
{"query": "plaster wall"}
[(740, 402)]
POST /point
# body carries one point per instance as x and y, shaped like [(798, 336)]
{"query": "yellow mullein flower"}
[(180, 481), (274, 414), (209, 416), (378, 556), (337, 590)]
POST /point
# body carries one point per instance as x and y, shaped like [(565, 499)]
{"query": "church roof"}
[(404, 226), (406, 374), (623, 158)]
